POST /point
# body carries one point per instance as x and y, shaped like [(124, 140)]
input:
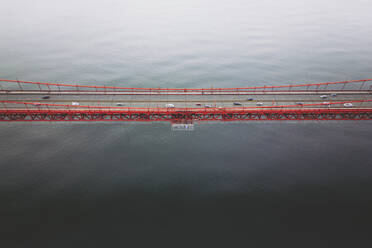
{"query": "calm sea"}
[(282, 184)]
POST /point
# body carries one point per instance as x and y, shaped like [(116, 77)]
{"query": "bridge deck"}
[(34, 101), (192, 100)]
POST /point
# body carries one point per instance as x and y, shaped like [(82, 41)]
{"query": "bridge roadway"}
[(295, 99)]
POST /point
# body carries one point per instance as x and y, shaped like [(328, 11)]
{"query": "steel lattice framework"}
[(32, 111), (184, 116)]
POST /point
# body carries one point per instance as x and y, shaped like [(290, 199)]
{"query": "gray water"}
[(284, 184)]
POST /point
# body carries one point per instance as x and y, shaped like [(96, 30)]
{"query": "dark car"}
[(250, 99), (237, 103), (46, 97)]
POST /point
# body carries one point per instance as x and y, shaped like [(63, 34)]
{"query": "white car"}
[(259, 103), (169, 105), (348, 105), (323, 96), (119, 104), (208, 106), (75, 103)]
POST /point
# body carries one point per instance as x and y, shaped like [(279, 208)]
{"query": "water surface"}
[(282, 184)]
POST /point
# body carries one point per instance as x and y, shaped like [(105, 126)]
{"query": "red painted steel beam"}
[(186, 116)]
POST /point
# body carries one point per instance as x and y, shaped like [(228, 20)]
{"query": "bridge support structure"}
[(38, 101), (187, 116)]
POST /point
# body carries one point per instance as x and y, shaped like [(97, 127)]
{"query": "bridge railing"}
[(351, 85), (11, 106)]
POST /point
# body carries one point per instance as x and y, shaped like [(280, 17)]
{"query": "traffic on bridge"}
[(39, 101)]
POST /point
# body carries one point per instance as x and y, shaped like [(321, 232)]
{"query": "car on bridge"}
[(169, 105), (348, 105)]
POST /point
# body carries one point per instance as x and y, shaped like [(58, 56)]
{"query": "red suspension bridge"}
[(39, 101)]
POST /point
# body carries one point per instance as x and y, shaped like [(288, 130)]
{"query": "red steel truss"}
[(186, 116), (32, 111)]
